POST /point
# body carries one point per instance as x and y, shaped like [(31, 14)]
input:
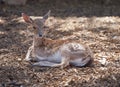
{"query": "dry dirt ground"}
[(93, 22)]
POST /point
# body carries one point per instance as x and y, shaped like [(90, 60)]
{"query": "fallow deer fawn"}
[(55, 53)]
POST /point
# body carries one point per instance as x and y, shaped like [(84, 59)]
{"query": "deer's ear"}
[(45, 17), (26, 18)]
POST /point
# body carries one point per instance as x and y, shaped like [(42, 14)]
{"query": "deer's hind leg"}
[(82, 62)]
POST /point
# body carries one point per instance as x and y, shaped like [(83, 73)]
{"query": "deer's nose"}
[(40, 35)]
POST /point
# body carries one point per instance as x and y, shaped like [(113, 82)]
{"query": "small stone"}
[(19, 59)]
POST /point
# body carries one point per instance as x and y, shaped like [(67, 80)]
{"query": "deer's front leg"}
[(27, 58), (64, 63)]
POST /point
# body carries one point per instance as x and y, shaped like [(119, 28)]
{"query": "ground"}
[(94, 23)]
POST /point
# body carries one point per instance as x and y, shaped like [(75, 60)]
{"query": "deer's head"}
[(37, 24)]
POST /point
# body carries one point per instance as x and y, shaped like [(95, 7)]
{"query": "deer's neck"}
[(42, 42)]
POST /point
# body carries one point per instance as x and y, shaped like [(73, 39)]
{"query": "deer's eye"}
[(34, 27), (45, 27)]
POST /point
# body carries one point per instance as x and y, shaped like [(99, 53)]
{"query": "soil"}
[(94, 23)]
